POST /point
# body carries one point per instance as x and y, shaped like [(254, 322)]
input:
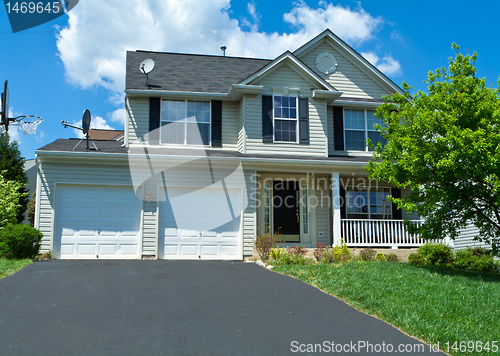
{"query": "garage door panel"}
[(194, 224), (96, 223)]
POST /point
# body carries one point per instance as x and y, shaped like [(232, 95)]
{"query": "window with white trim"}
[(368, 204), (185, 122), (305, 210), (285, 118), (267, 208), (359, 126)]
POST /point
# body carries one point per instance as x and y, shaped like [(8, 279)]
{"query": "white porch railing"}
[(383, 233)]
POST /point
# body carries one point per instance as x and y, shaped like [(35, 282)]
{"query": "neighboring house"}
[(264, 130), (100, 134)]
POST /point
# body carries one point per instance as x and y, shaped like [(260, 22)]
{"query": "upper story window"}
[(185, 122), (285, 118), (358, 126)]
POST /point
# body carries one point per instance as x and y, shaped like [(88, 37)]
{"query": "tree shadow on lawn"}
[(472, 275)]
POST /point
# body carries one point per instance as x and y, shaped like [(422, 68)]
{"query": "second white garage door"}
[(201, 224), (97, 222)]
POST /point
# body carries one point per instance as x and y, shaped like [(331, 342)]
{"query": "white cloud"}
[(386, 65), (99, 33), (97, 122), (117, 116)]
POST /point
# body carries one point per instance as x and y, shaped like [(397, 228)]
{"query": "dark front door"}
[(286, 210)]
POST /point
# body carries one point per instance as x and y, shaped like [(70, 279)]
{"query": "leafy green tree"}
[(12, 168), (9, 202), (444, 144)]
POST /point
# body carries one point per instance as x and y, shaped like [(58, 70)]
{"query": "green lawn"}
[(434, 304), (8, 267)]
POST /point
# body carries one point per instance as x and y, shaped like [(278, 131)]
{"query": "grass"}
[(434, 304), (7, 267)]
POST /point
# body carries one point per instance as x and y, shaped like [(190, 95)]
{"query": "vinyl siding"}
[(323, 212), (241, 125), (347, 78), (466, 238), (230, 125), (249, 215), (138, 114)]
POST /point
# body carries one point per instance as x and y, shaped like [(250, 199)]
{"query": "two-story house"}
[(219, 149)]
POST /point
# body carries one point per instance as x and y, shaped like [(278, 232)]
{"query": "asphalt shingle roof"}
[(111, 146), (190, 72)]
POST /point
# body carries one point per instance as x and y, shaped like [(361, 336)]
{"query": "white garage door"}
[(201, 224), (97, 222)]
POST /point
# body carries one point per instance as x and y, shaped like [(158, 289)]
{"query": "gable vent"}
[(326, 63)]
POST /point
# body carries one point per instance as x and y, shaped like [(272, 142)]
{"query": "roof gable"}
[(354, 76), (296, 65)]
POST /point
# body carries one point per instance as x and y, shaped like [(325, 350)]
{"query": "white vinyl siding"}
[(348, 78), (466, 238), (229, 125), (138, 118), (241, 125)]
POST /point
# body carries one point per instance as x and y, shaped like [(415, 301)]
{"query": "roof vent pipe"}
[(223, 48)]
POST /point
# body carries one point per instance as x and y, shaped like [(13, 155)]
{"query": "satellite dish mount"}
[(147, 67), (85, 129)]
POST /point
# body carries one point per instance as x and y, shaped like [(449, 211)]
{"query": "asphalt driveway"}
[(179, 308)]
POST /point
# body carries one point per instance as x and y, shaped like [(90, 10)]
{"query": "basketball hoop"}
[(28, 123)]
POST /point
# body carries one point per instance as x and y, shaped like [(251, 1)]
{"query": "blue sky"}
[(76, 62)]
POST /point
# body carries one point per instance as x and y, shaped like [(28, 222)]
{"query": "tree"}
[(9, 202), (12, 168), (445, 146)]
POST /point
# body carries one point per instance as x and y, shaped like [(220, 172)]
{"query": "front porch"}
[(330, 208)]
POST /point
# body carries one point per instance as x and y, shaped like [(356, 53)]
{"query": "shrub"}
[(391, 257), (381, 257), (475, 260), (276, 253), (417, 259), (19, 241), (335, 254), (436, 254), (264, 243), (10, 193), (297, 250), (367, 254)]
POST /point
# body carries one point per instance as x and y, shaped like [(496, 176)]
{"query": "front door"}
[(286, 210)]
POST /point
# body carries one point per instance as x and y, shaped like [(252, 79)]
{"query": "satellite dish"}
[(147, 66), (86, 121), (5, 105)]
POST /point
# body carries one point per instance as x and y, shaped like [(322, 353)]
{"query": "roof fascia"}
[(370, 68), (288, 56), (238, 90), (326, 95)]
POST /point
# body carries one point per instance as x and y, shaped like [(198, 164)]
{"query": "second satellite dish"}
[(86, 121)]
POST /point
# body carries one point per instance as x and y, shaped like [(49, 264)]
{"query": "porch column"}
[(336, 201)]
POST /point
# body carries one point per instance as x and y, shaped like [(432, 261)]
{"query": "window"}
[(285, 118), (267, 208), (368, 204), (305, 210), (185, 122), (358, 126)]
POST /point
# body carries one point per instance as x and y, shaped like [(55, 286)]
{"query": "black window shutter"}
[(396, 213), (267, 118), (338, 128), (343, 202), (217, 123), (154, 120), (304, 121)]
